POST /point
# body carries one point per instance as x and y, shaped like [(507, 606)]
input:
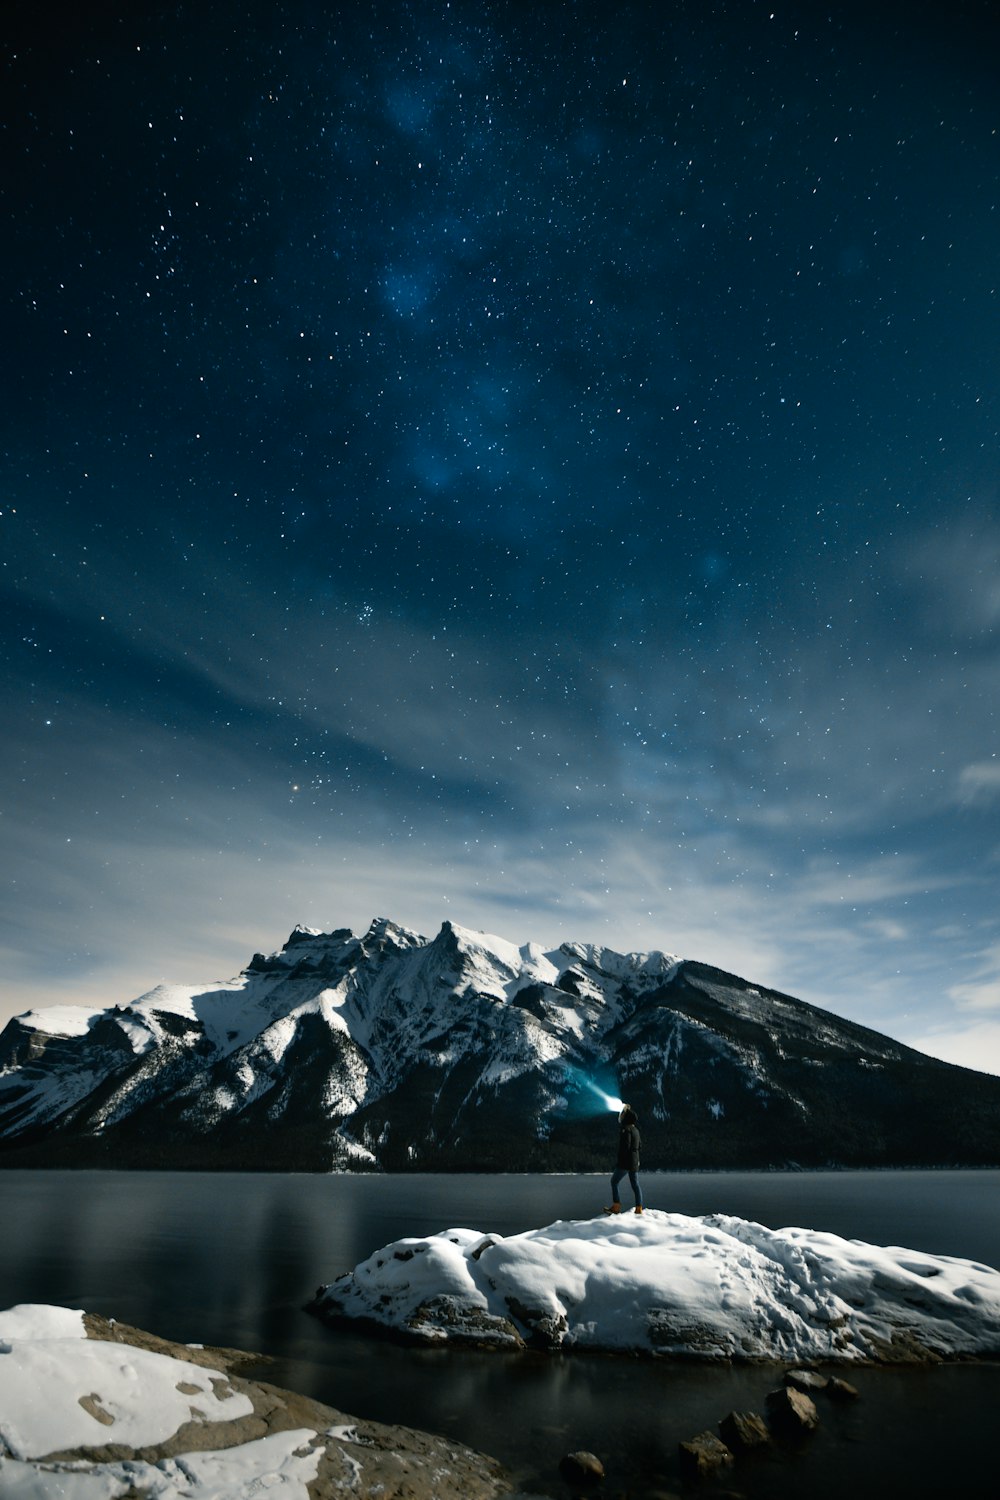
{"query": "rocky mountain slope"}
[(465, 1052)]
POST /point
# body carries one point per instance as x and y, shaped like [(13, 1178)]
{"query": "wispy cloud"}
[(982, 990), (979, 782)]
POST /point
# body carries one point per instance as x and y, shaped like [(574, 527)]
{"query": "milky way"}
[(533, 465)]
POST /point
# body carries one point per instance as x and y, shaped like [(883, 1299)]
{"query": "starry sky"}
[(533, 465)]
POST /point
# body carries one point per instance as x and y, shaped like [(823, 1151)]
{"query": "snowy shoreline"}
[(93, 1410), (715, 1288)]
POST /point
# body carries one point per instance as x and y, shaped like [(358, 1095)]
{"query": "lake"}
[(230, 1259)]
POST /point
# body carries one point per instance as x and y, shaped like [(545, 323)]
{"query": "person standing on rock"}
[(629, 1143)]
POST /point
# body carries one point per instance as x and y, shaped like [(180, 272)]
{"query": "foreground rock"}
[(703, 1455), (99, 1411), (744, 1431), (792, 1410), (581, 1468), (713, 1288)]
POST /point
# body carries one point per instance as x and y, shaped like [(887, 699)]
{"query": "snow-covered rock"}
[(91, 1410), (713, 1288)]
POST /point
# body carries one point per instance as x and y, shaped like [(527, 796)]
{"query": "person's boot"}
[(638, 1208), (615, 1208)]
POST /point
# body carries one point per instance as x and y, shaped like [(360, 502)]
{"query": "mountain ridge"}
[(392, 1051)]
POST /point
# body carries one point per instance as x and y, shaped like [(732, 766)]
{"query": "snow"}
[(92, 1388), (265, 1007), (390, 1002), (61, 1020), (276, 1464), (61, 1391), (31, 1320), (89, 1411), (328, 1004), (716, 1287), (653, 965)]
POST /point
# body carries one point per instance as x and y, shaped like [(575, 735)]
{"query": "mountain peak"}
[(470, 1052), (385, 930), (654, 964)]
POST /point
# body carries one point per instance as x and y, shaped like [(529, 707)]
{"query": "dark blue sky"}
[(534, 465)]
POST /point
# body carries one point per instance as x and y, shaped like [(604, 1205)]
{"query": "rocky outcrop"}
[(791, 1293), (581, 1468), (792, 1410), (704, 1455), (742, 1431), (350, 1456)]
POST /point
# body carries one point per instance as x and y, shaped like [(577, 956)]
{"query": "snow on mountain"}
[(61, 1020), (465, 1050), (712, 1288)]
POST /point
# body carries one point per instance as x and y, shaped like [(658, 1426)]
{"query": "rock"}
[(355, 1456), (581, 1468), (842, 1390), (806, 1380), (703, 1455), (544, 1331), (462, 1323), (792, 1409), (743, 1430), (903, 1347), (209, 1357)]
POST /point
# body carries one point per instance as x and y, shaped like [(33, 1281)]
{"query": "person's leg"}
[(637, 1190), (616, 1178)]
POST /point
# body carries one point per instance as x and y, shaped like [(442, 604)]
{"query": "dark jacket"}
[(629, 1142)]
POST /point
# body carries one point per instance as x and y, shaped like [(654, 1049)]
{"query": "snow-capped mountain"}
[(466, 1052)]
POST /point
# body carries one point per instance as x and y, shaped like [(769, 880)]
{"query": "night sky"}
[(528, 464)]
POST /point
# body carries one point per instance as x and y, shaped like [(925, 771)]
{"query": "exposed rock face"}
[(742, 1431), (703, 1455), (792, 1410), (453, 1319), (581, 1468), (544, 1330), (364, 1459), (466, 1052)]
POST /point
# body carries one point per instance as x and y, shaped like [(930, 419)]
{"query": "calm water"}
[(231, 1259)]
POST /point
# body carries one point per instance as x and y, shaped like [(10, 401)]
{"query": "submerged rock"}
[(703, 1455), (743, 1431), (806, 1380), (842, 1390), (793, 1410), (581, 1468)]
